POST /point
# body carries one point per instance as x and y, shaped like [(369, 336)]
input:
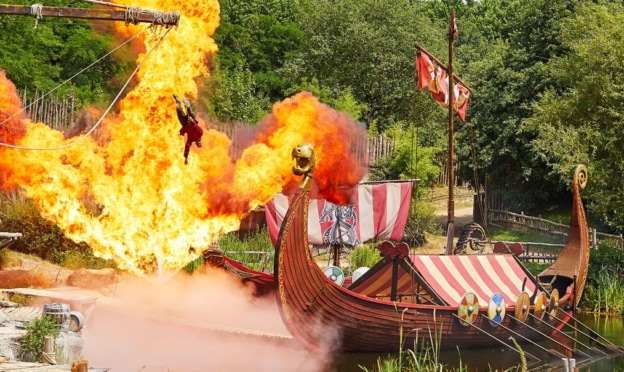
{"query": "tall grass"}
[(425, 359), (605, 294), (255, 250)]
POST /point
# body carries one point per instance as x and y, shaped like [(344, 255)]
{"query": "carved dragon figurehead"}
[(305, 161)]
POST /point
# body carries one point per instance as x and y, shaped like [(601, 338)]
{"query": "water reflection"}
[(538, 356)]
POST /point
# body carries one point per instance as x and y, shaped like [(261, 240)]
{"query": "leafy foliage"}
[(508, 71), (605, 258), (36, 331), (365, 255), (583, 123), (408, 161), (43, 57), (255, 39)]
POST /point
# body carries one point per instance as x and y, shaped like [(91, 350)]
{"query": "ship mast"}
[(127, 14), (450, 223)]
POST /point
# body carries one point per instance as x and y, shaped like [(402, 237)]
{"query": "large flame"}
[(152, 207)]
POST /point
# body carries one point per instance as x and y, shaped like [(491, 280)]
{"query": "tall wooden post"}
[(450, 223)]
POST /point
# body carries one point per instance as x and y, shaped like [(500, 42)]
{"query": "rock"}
[(92, 279)]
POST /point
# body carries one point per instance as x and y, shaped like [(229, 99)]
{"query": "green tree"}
[(255, 40), (508, 69), (583, 123), (409, 160), (36, 332), (367, 48), (44, 56)]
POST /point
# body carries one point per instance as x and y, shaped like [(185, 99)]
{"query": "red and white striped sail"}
[(379, 211)]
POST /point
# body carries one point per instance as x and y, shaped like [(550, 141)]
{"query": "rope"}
[(35, 10), (132, 13), (107, 3), (103, 115), (160, 18)]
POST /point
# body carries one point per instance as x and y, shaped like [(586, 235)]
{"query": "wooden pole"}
[(128, 15), (450, 223)]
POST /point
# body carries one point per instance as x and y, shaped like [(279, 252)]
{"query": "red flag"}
[(425, 70), (460, 101), (433, 77), (439, 87)]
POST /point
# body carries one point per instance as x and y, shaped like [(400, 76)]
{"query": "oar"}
[(551, 352), (574, 351), (610, 346), (497, 339), (541, 320)]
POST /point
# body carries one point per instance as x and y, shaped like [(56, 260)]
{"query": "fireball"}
[(152, 208)]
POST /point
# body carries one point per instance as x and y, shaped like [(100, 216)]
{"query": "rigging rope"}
[(105, 112), (35, 10), (132, 13), (107, 3)]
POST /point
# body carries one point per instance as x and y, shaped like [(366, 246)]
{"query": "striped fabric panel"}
[(484, 275)]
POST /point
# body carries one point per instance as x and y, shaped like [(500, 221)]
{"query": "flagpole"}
[(450, 223)]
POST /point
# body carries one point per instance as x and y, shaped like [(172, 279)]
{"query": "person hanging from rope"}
[(190, 126)]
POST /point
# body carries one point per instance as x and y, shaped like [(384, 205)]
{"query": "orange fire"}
[(153, 208)]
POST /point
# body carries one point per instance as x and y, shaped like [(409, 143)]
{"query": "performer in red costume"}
[(190, 126)]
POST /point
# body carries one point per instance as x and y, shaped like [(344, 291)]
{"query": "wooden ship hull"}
[(469, 301), (263, 283)]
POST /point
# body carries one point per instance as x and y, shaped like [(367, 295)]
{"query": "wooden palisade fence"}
[(548, 227), (61, 112), (57, 112)]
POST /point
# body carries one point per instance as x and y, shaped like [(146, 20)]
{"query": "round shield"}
[(468, 309), (540, 306), (335, 274), (496, 309), (553, 304), (523, 303)]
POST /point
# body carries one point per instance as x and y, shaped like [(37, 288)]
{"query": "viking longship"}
[(466, 301), (379, 212)]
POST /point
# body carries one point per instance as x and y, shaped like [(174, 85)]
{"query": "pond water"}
[(501, 358)]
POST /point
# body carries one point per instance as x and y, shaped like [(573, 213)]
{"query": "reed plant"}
[(605, 294), (423, 358), (427, 357)]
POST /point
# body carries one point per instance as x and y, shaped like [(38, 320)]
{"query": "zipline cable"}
[(103, 115)]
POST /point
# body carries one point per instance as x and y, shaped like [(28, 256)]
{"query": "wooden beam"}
[(128, 15)]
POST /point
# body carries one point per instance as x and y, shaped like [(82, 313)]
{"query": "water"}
[(501, 358)]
